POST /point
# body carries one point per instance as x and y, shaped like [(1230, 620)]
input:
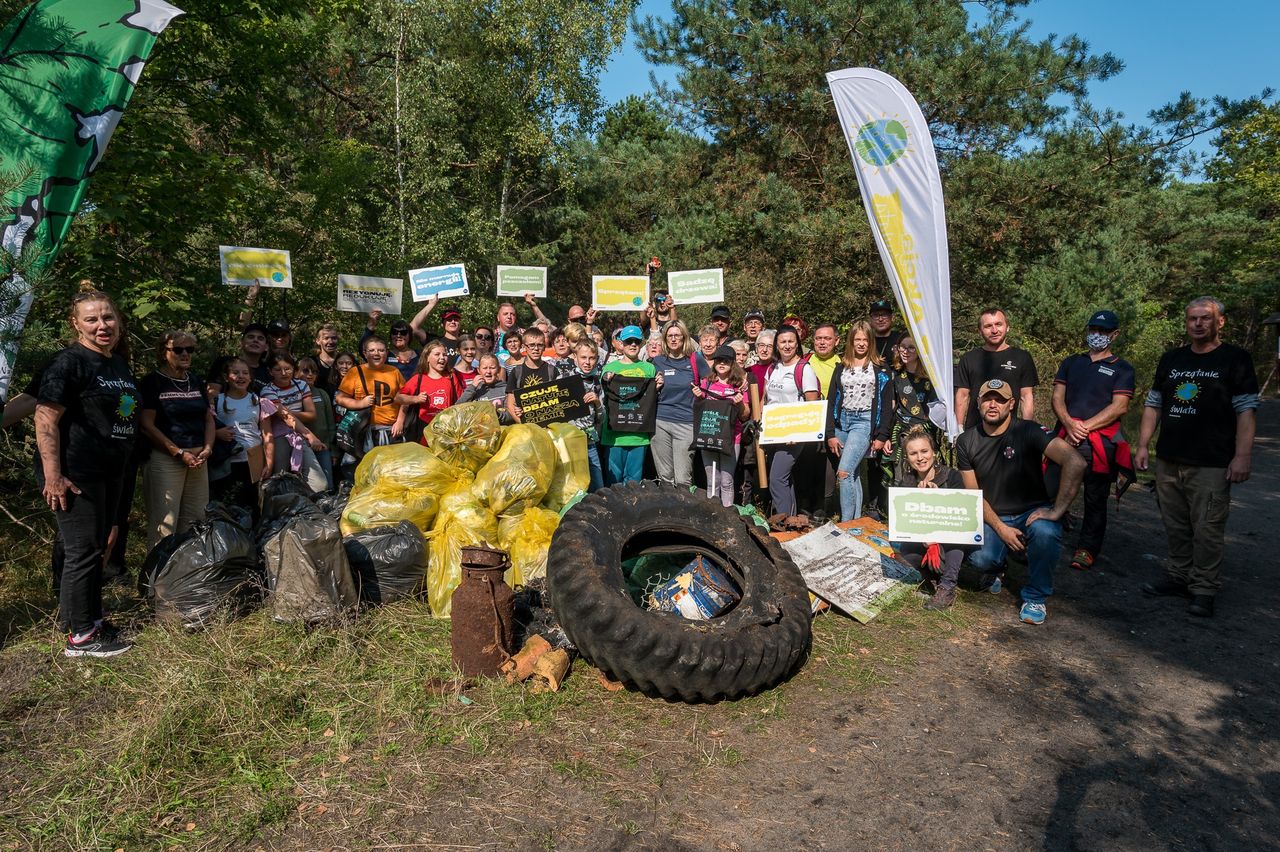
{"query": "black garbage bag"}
[(333, 504), (281, 485), (211, 567), (388, 562), (308, 576), (279, 509)]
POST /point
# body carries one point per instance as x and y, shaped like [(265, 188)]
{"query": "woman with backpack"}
[(726, 382), (672, 444), (788, 379), (435, 387)]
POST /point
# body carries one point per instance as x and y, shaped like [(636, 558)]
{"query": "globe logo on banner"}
[(881, 143)]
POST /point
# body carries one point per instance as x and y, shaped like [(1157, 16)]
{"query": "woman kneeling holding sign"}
[(923, 469)]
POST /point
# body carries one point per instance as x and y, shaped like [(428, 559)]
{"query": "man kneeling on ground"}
[(1005, 458)]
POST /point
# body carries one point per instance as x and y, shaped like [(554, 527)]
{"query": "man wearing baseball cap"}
[(1004, 457), (1091, 392), (279, 337), (721, 319), (882, 327)]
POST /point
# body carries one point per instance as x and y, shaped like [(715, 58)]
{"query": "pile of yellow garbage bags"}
[(474, 483)]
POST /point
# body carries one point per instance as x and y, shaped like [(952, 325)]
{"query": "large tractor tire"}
[(755, 645)]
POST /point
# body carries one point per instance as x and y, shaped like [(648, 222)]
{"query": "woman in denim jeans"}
[(854, 394)]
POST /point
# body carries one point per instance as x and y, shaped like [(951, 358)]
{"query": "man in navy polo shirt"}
[(1091, 392)]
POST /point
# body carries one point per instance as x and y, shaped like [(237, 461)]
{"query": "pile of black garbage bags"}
[(294, 560)]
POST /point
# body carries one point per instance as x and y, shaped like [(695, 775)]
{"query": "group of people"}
[(262, 410)]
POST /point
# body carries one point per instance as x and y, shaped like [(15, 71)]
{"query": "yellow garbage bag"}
[(399, 482), (464, 436), (573, 473), (463, 521), (408, 465), (517, 477), (385, 503), (526, 538)]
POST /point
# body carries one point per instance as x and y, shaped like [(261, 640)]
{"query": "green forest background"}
[(376, 136)]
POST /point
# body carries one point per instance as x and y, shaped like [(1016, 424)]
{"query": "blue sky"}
[(1230, 48)]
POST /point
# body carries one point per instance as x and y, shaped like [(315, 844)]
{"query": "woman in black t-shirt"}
[(177, 419), (939, 564), (910, 393), (86, 422)]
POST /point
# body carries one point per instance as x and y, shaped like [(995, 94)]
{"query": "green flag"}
[(69, 69)]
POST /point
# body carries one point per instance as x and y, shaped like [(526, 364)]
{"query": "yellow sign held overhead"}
[(244, 267)]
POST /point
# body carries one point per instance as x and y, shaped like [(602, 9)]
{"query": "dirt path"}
[(1123, 723)]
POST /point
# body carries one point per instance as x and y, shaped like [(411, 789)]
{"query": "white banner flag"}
[(898, 175)]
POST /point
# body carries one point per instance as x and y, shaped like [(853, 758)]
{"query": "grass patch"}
[(232, 733)]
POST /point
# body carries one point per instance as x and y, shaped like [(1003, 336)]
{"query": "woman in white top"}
[(788, 379), (854, 404), (238, 414)]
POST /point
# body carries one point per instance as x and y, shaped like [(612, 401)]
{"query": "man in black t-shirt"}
[(1004, 457), (882, 327), (1204, 398), (1091, 392), (995, 359)]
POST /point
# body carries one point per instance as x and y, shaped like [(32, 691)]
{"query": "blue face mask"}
[(1097, 341)]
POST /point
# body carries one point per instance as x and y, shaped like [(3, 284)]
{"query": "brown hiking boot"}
[(943, 598)]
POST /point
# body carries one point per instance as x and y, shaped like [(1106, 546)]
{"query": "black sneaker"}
[(99, 644), (1202, 606), (1166, 588)]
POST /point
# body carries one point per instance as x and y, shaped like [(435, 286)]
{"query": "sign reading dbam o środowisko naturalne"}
[(553, 402), (941, 515)]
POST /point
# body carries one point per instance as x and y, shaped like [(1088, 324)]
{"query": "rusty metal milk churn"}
[(483, 613)]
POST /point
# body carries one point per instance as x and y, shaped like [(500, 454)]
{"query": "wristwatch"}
[(177, 452)]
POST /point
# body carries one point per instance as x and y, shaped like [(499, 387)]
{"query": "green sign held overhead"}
[(696, 286), (515, 281)]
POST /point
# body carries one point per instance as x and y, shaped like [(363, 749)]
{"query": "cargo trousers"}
[(1194, 504)]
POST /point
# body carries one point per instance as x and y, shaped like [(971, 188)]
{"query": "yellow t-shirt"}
[(383, 382), (824, 368)]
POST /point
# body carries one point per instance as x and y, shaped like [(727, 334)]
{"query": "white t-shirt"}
[(241, 417), (780, 383)]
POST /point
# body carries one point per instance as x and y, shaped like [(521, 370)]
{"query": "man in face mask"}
[(1091, 392)]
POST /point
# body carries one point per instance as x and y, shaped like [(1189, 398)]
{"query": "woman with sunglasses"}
[(86, 425), (177, 419)]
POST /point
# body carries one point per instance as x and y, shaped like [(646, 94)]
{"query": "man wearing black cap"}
[(1004, 457), (279, 336), (253, 349), (1091, 392), (721, 319), (882, 327)]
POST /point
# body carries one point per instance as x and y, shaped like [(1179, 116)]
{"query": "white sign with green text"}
[(518, 280), (696, 286), (941, 515)]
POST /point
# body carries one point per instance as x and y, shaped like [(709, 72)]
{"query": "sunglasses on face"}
[(399, 334), (484, 337), (182, 350)]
